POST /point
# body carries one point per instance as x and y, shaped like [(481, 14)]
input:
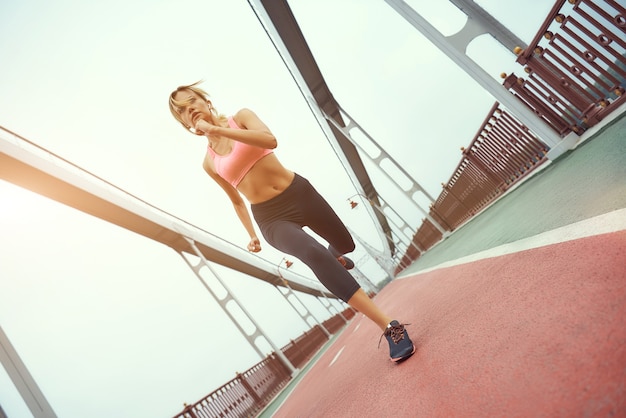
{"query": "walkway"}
[(520, 313)]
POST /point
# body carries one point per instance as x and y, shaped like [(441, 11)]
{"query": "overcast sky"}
[(112, 324)]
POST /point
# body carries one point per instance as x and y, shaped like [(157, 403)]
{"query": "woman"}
[(240, 159)]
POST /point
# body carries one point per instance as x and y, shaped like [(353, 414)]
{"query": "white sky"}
[(111, 324)]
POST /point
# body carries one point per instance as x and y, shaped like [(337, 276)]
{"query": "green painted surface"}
[(585, 182), (271, 408)]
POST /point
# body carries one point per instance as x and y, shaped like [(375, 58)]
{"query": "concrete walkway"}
[(520, 313)]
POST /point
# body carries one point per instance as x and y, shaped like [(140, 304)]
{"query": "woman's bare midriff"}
[(265, 180)]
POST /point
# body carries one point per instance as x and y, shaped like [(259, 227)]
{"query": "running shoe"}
[(400, 345)]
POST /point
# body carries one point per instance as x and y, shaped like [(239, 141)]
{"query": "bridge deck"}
[(519, 313)]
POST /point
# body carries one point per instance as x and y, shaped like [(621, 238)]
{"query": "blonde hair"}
[(176, 104)]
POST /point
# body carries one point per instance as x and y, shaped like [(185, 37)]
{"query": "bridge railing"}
[(575, 66), (575, 76), (249, 392)]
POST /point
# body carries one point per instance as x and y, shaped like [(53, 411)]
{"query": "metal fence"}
[(575, 76), (249, 392), (575, 66)]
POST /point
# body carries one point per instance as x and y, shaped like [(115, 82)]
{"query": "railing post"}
[(189, 410), (278, 367), (298, 349), (244, 382)]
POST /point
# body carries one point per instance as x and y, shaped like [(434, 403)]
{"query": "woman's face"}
[(194, 108)]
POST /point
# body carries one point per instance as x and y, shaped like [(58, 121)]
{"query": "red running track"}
[(538, 333)]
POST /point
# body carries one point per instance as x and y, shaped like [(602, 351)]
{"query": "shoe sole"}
[(401, 359)]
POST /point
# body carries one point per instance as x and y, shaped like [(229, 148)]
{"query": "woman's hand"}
[(205, 128), (254, 245)]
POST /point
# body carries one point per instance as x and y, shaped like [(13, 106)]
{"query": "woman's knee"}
[(315, 256), (344, 246), (351, 246)]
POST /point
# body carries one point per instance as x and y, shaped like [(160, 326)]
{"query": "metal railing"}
[(576, 71), (573, 81), (249, 392), (501, 154)]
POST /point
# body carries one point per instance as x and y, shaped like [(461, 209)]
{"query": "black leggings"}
[(281, 220)]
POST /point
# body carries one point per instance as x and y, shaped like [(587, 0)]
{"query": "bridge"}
[(27, 165)]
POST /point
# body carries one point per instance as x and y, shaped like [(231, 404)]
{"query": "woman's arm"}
[(238, 203), (253, 131)]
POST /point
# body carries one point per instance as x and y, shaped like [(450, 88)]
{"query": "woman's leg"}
[(284, 232), (323, 220), (289, 237), (362, 303)]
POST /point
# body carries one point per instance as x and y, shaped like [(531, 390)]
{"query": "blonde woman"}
[(240, 159)]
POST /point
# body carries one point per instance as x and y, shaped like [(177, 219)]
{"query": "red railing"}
[(573, 81), (249, 392), (502, 153), (576, 71), (300, 350)]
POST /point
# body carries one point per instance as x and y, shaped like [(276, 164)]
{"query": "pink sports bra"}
[(235, 165)]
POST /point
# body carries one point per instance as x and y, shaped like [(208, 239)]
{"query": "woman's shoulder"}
[(244, 116), (244, 112)]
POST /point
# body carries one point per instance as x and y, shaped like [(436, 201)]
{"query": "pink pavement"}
[(538, 333)]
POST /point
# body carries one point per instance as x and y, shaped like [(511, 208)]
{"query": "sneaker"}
[(346, 262), (400, 345)]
